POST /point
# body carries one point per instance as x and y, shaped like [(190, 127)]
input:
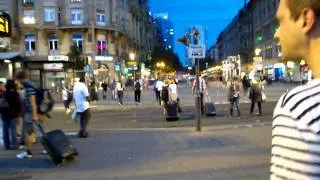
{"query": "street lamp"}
[(132, 56)]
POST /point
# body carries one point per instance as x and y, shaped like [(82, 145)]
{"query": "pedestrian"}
[(203, 90), (234, 95), (296, 123), (158, 89), (120, 89), (245, 85), (137, 91), (10, 116), (165, 94), (82, 105), (104, 90), (173, 95), (113, 90), (67, 99), (93, 93), (30, 113), (256, 95)]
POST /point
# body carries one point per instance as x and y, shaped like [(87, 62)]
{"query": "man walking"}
[(158, 89), (296, 122), (137, 91), (203, 90), (82, 99), (234, 95), (30, 113)]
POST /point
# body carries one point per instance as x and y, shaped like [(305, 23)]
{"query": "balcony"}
[(28, 2)]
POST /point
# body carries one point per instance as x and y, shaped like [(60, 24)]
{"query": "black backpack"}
[(137, 86), (44, 101)]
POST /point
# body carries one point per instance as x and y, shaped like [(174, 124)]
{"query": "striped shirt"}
[(30, 90), (202, 84), (296, 134)]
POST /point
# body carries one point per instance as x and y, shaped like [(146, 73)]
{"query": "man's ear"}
[(308, 18)]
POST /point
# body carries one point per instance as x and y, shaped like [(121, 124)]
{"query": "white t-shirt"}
[(119, 87), (159, 85), (80, 92), (64, 94), (173, 92)]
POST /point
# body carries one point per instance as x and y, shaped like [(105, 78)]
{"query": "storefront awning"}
[(9, 55)]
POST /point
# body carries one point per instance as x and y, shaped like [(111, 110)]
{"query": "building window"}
[(53, 42), (76, 16), (102, 47), (49, 14), (101, 18), (77, 41), (75, 1), (30, 43), (29, 17)]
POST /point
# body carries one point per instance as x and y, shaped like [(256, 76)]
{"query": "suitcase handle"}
[(40, 126), (208, 99)]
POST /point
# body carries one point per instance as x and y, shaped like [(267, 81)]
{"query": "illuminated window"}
[(75, 1), (29, 17), (102, 47)]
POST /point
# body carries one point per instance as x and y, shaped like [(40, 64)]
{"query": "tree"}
[(170, 59), (75, 56)]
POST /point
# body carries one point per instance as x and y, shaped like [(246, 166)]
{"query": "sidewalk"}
[(240, 153)]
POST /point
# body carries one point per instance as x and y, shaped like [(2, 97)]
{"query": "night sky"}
[(215, 14)]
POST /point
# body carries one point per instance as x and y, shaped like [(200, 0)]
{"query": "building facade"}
[(251, 35), (105, 31), (162, 20)]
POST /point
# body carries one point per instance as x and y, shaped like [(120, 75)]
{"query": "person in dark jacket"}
[(245, 85), (255, 95), (10, 116), (234, 95)]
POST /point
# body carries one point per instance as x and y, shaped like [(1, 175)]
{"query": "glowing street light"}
[(132, 56)]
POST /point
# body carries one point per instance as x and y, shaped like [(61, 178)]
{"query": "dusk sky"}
[(215, 14)]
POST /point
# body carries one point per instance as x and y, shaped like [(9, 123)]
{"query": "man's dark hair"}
[(1, 83), (296, 6), (22, 75), (11, 85), (82, 79)]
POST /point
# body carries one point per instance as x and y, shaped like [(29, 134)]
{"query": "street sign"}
[(196, 51)]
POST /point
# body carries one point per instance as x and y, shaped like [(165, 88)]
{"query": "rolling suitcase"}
[(210, 109), (57, 145), (171, 112)]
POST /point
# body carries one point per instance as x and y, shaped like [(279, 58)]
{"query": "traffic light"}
[(185, 40)]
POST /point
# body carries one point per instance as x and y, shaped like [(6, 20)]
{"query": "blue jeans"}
[(234, 102), (9, 129)]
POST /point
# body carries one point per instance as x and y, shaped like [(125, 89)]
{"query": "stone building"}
[(105, 31)]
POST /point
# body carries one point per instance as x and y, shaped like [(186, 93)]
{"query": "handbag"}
[(264, 97)]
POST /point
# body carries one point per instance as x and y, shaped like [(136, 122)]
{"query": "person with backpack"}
[(30, 108), (10, 115), (137, 91), (256, 95), (234, 95)]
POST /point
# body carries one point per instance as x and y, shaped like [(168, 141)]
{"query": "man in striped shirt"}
[(296, 121)]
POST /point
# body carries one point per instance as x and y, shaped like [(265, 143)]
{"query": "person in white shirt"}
[(119, 89), (173, 94), (203, 90), (82, 105), (158, 88), (295, 149), (66, 99)]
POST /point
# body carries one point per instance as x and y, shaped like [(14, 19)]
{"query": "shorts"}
[(28, 127)]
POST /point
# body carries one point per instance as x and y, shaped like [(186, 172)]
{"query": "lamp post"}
[(132, 57)]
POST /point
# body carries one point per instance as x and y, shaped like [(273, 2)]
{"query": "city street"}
[(134, 142)]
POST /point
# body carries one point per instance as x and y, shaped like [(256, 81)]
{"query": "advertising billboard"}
[(5, 25)]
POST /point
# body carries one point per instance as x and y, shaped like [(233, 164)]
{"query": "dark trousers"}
[(201, 103), (137, 95), (66, 104), (84, 120), (158, 96), (252, 107), (104, 94), (120, 97), (234, 102), (9, 128)]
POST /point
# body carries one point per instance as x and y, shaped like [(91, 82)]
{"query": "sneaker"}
[(24, 154)]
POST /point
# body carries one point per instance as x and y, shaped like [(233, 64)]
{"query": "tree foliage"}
[(170, 59), (75, 56)]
